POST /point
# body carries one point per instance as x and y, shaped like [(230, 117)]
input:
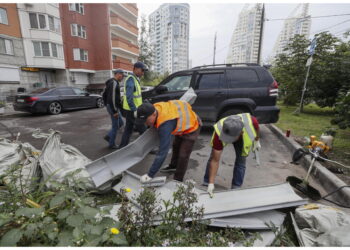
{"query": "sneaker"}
[(113, 147), (106, 138), (204, 183), (168, 169)]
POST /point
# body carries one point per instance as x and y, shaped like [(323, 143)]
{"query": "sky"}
[(209, 17)]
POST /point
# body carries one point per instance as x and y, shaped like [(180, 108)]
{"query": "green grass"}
[(314, 121)]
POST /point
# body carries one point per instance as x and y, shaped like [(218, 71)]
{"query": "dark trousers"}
[(182, 149), (129, 127)]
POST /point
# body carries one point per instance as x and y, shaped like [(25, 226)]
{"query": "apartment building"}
[(97, 39), (11, 49), (43, 45), (298, 23), (169, 34), (244, 45)]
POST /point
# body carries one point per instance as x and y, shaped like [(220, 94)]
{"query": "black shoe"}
[(168, 169), (106, 138), (113, 147)]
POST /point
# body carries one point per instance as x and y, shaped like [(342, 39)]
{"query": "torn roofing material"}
[(224, 203), (107, 167)]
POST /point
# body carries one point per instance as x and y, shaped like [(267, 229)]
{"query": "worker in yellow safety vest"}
[(132, 99), (242, 131), (171, 118)]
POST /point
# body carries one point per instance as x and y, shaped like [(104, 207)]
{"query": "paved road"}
[(85, 129)]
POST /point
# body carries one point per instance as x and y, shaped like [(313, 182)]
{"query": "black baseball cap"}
[(143, 112), (140, 65), (120, 71)]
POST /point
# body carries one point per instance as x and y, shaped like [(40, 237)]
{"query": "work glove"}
[(256, 146), (211, 190), (135, 114), (145, 178)]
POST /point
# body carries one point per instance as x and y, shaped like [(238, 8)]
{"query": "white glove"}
[(211, 190), (256, 146), (145, 178), (135, 114)]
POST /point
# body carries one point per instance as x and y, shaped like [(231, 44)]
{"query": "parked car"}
[(223, 90), (56, 100)]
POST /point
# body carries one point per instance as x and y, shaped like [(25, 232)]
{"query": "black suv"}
[(223, 90)]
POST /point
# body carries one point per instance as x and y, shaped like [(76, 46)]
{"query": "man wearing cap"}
[(171, 118), (131, 100), (242, 131), (111, 98)]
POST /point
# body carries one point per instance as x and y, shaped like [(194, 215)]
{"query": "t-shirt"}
[(217, 143)]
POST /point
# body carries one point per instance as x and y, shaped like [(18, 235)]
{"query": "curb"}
[(328, 180)]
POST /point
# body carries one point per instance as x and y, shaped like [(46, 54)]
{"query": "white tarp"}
[(19, 154), (58, 159), (321, 225)]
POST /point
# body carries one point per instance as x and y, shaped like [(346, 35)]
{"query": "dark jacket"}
[(112, 85)]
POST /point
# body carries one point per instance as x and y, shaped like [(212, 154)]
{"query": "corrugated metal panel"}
[(225, 203), (107, 167)]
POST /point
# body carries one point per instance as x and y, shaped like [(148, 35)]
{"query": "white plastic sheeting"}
[(57, 159), (321, 225), (19, 154)]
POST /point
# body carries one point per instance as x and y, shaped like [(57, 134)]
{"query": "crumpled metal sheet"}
[(321, 225), (109, 166), (19, 154), (224, 203), (58, 159)]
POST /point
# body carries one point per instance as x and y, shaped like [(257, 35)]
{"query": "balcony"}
[(131, 7), (123, 64), (119, 21), (120, 43), (124, 10)]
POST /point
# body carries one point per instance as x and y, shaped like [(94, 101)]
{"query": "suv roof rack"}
[(226, 65)]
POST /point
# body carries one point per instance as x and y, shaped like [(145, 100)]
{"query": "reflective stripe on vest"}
[(137, 95), (187, 120), (248, 136)]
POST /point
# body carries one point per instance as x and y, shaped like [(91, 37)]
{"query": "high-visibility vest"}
[(248, 136), (187, 120), (137, 95)]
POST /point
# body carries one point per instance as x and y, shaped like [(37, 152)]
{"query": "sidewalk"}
[(10, 112)]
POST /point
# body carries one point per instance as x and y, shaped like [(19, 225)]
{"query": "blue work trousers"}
[(116, 124)]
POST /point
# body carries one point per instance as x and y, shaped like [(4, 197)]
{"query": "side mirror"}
[(86, 94), (161, 89)]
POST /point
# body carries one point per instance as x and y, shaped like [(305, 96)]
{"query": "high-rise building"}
[(297, 23), (244, 45), (169, 35), (74, 44), (97, 39), (11, 48)]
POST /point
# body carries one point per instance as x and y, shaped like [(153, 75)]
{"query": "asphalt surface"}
[(84, 129)]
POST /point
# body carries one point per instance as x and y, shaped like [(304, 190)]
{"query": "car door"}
[(84, 100), (172, 88), (211, 90), (68, 98)]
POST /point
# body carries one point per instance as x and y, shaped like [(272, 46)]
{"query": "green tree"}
[(146, 51)]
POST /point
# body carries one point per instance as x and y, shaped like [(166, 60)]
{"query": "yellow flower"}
[(128, 190), (114, 230)]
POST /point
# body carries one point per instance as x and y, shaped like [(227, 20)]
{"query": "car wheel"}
[(99, 103), (55, 108), (231, 112)]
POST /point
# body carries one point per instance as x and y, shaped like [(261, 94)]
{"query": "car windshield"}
[(39, 91)]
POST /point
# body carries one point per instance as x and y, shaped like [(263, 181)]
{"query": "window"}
[(80, 55), (54, 24), (3, 16), (42, 21), (237, 76), (66, 91), (78, 7), (6, 46), (33, 21), (179, 83), (114, 57), (48, 49), (210, 81), (78, 30), (79, 91)]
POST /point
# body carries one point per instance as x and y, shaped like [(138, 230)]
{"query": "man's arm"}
[(130, 86), (214, 164), (256, 127), (164, 132)]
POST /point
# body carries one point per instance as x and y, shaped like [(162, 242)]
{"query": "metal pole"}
[(261, 32), (214, 48), (300, 109)]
